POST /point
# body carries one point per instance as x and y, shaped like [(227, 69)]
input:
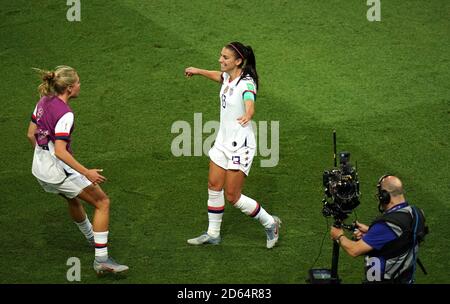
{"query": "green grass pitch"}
[(384, 86)]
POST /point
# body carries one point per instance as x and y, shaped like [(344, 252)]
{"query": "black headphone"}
[(383, 196)]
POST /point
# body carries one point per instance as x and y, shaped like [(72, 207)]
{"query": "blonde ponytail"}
[(57, 81)]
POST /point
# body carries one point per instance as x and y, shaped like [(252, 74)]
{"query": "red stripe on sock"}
[(255, 212), (216, 208)]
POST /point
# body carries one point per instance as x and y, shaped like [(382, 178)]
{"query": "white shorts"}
[(70, 187), (240, 159)]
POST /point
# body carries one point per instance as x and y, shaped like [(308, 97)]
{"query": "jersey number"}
[(224, 101)]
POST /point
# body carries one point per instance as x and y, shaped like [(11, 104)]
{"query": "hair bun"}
[(49, 76)]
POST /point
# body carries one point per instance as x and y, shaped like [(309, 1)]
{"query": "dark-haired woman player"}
[(235, 145)]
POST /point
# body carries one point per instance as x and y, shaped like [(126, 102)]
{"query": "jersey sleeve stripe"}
[(62, 134), (33, 118), (246, 93)]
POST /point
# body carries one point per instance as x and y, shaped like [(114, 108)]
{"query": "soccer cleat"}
[(109, 266), (273, 232), (205, 238)]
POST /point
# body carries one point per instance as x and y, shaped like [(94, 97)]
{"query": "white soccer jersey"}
[(232, 135)]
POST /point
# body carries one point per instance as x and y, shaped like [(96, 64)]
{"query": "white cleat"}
[(273, 232), (109, 266), (205, 238)]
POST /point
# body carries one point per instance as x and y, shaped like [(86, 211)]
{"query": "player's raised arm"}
[(213, 75)]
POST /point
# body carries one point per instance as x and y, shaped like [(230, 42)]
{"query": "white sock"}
[(86, 228), (101, 245), (216, 206), (252, 208)]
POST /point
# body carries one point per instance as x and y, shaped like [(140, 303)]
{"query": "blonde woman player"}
[(235, 145), (57, 171)]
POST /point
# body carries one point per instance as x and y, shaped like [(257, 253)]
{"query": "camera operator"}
[(390, 243)]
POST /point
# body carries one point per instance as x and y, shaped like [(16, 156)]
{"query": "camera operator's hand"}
[(361, 229)]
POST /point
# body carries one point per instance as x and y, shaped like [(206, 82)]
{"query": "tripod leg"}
[(334, 262)]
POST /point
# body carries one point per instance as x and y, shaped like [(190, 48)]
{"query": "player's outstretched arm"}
[(213, 75)]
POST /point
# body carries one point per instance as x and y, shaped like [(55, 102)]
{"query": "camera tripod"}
[(341, 196)]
